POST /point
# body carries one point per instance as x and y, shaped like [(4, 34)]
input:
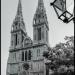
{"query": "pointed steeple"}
[(19, 10), (18, 21), (40, 4), (40, 25), (41, 13)]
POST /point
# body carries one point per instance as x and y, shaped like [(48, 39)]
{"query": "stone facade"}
[(23, 49)]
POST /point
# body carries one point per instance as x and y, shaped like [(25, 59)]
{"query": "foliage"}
[(62, 57)]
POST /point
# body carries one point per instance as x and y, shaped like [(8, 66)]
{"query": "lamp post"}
[(64, 10), (47, 66)]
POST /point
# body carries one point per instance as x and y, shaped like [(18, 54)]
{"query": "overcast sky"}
[(57, 29)]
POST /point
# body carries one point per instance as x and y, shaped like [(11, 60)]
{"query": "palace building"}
[(23, 49)]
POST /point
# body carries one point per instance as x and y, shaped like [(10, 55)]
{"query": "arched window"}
[(25, 55), (29, 55), (16, 39), (39, 33), (22, 56)]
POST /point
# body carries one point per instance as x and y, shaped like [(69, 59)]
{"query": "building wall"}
[(37, 65)]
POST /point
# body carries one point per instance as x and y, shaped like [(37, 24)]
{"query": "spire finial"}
[(19, 10), (40, 3)]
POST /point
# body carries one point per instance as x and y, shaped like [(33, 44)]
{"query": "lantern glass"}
[(64, 9), (70, 6)]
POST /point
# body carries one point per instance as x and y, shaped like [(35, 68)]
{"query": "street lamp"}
[(47, 66), (64, 9)]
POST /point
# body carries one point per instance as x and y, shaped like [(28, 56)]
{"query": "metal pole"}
[(74, 12)]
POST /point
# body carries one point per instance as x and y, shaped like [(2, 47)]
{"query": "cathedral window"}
[(39, 33), (29, 55), (22, 56), (16, 39), (25, 55)]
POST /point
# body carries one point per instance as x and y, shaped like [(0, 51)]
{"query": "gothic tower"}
[(18, 31), (23, 49), (40, 25)]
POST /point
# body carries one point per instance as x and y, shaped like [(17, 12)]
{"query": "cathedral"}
[(23, 49)]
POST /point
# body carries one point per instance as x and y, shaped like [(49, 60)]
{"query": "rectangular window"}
[(39, 33)]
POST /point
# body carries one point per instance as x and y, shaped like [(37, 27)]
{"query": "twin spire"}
[(41, 13), (19, 16), (19, 10)]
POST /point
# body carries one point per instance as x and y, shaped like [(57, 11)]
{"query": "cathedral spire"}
[(18, 21), (40, 24), (40, 14), (19, 10), (19, 15), (40, 3), (40, 6)]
